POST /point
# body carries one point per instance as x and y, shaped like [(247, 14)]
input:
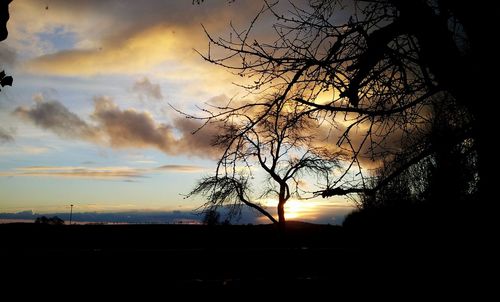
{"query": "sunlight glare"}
[(295, 209)]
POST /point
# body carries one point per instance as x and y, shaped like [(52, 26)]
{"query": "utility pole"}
[(70, 214)]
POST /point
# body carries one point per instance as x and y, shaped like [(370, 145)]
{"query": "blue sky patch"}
[(60, 38)]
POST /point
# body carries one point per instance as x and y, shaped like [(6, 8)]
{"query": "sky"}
[(88, 120)]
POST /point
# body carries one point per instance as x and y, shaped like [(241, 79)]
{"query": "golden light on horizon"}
[(295, 209)]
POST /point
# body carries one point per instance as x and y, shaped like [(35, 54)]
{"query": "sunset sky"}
[(88, 122)]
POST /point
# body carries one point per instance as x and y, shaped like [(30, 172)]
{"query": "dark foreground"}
[(303, 258)]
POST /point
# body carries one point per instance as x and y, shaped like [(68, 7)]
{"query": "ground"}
[(304, 257)]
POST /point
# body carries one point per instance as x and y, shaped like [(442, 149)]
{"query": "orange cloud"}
[(133, 54), (152, 37), (132, 37)]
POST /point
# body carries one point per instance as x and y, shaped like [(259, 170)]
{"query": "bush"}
[(50, 221)]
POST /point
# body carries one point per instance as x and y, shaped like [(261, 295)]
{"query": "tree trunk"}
[(281, 212), (281, 206)]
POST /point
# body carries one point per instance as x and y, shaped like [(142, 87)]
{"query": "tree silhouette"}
[(211, 217), (376, 72), (278, 146), (50, 221), (4, 17), (447, 174)]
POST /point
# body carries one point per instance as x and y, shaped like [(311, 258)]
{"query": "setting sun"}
[(297, 209)]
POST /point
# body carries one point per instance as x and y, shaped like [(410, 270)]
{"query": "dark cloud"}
[(6, 135), (127, 128), (147, 89), (135, 15), (198, 141), (133, 129), (130, 128), (53, 116)]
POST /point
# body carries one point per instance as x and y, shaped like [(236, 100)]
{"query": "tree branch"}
[(371, 113)]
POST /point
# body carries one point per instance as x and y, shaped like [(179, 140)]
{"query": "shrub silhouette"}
[(49, 221), (211, 217)]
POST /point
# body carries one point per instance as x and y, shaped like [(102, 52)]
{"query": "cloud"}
[(8, 56), (147, 89), (127, 128), (33, 150), (181, 168), (220, 100), (6, 135), (130, 128), (54, 116), (129, 55), (147, 37), (195, 140), (371, 154), (146, 161), (9, 150), (99, 173), (133, 129), (117, 38), (80, 172)]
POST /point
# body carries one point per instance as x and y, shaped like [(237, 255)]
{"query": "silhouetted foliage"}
[(435, 191), (50, 221), (446, 176), (211, 217), (5, 80), (396, 81), (4, 17)]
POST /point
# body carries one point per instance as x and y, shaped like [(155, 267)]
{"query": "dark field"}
[(158, 257)]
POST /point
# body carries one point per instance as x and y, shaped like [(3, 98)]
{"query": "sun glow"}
[(296, 209)]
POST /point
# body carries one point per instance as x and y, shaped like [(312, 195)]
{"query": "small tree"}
[(276, 143)]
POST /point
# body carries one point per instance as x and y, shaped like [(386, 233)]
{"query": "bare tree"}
[(372, 70), (278, 146)]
